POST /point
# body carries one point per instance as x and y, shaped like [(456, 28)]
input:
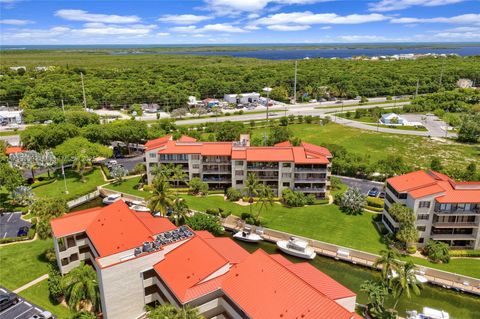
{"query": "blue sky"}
[(237, 21)]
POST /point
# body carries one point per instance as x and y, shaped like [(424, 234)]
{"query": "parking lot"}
[(10, 223), (21, 310), (363, 184)]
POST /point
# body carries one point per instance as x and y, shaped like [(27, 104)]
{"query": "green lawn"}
[(75, 186), (22, 263), (127, 186), (327, 223), (415, 150), (39, 295)]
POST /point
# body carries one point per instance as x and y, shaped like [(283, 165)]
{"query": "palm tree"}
[(81, 288), (171, 312), (178, 174), (161, 198), (265, 198), (180, 211), (251, 187), (389, 261), (80, 163), (406, 282)]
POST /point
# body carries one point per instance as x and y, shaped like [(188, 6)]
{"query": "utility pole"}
[(83, 90), (64, 178), (295, 85), (63, 107), (266, 89), (416, 91)]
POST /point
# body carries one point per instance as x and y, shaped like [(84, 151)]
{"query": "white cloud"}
[(219, 27), (392, 5), (458, 35), (223, 7), (280, 27), (251, 27), (309, 18), (15, 22), (111, 29), (81, 15), (183, 18), (470, 18), (325, 27), (253, 16), (163, 34)]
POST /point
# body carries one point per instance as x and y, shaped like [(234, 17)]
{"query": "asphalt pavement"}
[(21, 310), (363, 184), (10, 223)]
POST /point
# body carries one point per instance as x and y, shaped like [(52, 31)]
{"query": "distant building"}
[(244, 98), (392, 119), (150, 107), (464, 83), (192, 101), (43, 68), (144, 260), (10, 117), (16, 68), (209, 102), (445, 210), (305, 168)]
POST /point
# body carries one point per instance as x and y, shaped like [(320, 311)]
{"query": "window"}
[(286, 164), (152, 155), (421, 240), (238, 173), (196, 166), (195, 157), (286, 184), (196, 175), (286, 175), (421, 228), (424, 204), (423, 216), (239, 182), (402, 196), (238, 163)]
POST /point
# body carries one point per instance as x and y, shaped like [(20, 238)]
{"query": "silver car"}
[(42, 315)]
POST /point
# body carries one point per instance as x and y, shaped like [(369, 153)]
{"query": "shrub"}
[(310, 199), (437, 251), (140, 168), (464, 253), (352, 201), (233, 194), (375, 202), (244, 216), (50, 255), (411, 249), (291, 198), (55, 287), (196, 186), (205, 222), (375, 209)]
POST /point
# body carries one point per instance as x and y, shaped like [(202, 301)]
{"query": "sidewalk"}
[(31, 283)]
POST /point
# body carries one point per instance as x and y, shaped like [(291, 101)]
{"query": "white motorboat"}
[(246, 234), (110, 199), (296, 247), (428, 313), (140, 208)]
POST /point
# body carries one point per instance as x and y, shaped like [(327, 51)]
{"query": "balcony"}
[(311, 169), (309, 189), (457, 212), (216, 171), (455, 225), (452, 236), (217, 179)]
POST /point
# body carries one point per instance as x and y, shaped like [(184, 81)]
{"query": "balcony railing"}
[(452, 236), (262, 167), (453, 224), (311, 169), (216, 179), (457, 211), (309, 189)]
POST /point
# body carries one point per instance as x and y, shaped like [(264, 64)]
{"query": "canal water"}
[(458, 305)]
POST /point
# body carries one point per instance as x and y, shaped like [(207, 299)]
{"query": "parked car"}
[(48, 122), (313, 101), (42, 315), (111, 163), (382, 195), (22, 231), (7, 300), (373, 192)]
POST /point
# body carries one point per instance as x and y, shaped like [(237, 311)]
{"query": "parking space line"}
[(27, 304), (5, 235), (12, 307), (10, 217), (38, 309), (23, 312)]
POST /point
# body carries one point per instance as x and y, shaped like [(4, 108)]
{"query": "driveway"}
[(363, 184), (10, 223), (22, 310)]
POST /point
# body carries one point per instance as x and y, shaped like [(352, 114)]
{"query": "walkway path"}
[(31, 283)]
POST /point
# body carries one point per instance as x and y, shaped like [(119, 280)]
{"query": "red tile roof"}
[(264, 288), (113, 228), (226, 247), (185, 138), (420, 184), (14, 149), (281, 152), (158, 142)]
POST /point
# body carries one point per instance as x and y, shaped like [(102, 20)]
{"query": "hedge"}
[(375, 202), (44, 182), (375, 209), (464, 253)]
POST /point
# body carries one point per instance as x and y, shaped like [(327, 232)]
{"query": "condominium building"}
[(305, 168), (445, 210), (144, 260)]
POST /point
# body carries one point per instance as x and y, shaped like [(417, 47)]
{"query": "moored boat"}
[(247, 235), (296, 247), (112, 198), (428, 313)]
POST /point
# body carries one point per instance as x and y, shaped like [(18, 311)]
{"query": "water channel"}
[(458, 305)]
